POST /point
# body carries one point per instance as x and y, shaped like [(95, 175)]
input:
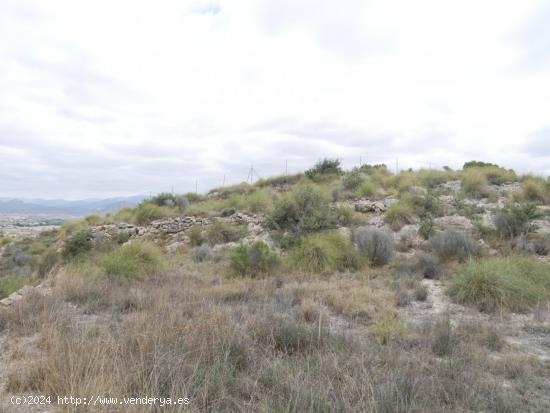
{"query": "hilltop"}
[(328, 290)]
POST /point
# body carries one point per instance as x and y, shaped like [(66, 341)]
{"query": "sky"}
[(111, 98)]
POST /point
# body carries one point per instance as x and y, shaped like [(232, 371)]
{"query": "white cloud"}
[(107, 98)]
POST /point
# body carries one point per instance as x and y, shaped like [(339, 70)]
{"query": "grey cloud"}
[(533, 37), (338, 26), (538, 143)]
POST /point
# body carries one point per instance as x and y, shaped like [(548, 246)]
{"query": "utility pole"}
[(196, 186), (223, 181)]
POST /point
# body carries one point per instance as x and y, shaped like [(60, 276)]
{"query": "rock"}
[(542, 226), (365, 205), (453, 186), (345, 231), (227, 212), (174, 246), (418, 190), (456, 223), (27, 289)]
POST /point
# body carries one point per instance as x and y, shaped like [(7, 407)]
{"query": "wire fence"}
[(255, 171)]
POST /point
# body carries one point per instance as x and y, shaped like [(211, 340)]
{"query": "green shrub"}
[(5, 241), (202, 253), (431, 178), (399, 214), (195, 236), (474, 183), (353, 179), (36, 248), (535, 190), (368, 188), (428, 265), (258, 201), (93, 219), (423, 204), (479, 164), (516, 219), (253, 260), (278, 181), (515, 283), (121, 237), (220, 232), (344, 215), (132, 260), (166, 199), (305, 209), (451, 244), (376, 244), (329, 251), (494, 174), (47, 262), (78, 244), (124, 215), (10, 285), (227, 192), (147, 212), (427, 227), (324, 167)]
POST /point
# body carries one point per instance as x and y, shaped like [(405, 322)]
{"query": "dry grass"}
[(266, 345)]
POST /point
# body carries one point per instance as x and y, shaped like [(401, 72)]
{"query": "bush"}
[(93, 219), (220, 232), (10, 285), (427, 227), (78, 244), (306, 209), (444, 340), (324, 167), (124, 215), (398, 215), (368, 188), (36, 248), (147, 212), (258, 201), (494, 174), (535, 190), (253, 260), (166, 199), (47, 262), (344, 215), (133, 260), (195, 236), (202, 253), (428, 265), (515, 219), (377, 244), (474, 183), (451, 244), (4, 241), (329, 251), (515, 283), (353, 179)]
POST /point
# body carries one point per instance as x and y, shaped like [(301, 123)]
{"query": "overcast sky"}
[(102, 98)]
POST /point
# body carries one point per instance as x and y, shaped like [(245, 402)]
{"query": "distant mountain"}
[(64, 207)]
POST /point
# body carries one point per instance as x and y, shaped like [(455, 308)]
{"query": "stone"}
[(171, 248), (456, 223), (453, 186), (365, 205)]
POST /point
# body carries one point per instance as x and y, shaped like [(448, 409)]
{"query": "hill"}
[(330, 290)]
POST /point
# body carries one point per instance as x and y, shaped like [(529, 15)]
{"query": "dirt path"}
[(529, 333)]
